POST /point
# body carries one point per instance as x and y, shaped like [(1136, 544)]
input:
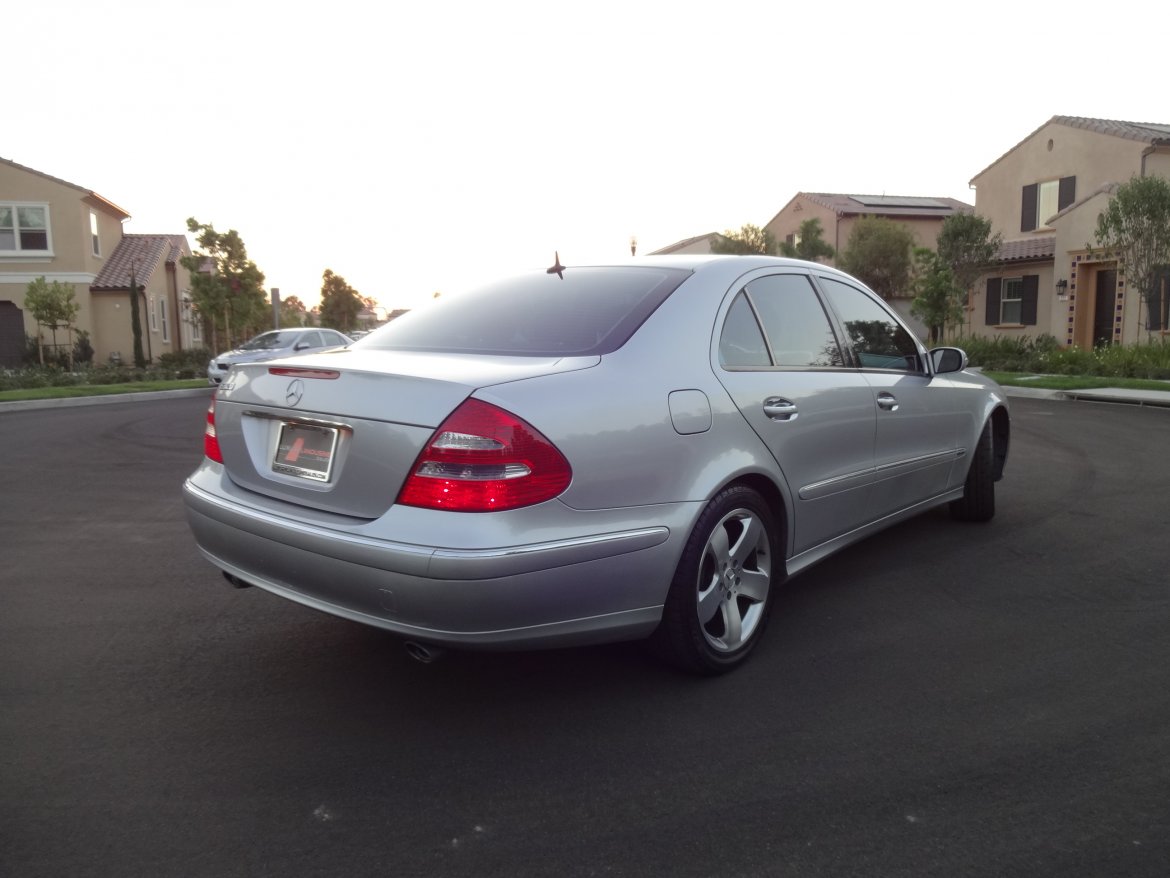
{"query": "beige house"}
[(1044, 196), (63, 232), (840, 213)]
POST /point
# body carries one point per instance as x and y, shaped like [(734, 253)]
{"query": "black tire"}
[(978, 500), (718, 603)]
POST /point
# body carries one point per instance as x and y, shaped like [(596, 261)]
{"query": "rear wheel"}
[(978, 500), (719, 600)]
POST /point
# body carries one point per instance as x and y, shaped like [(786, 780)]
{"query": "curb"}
[(109, 399)]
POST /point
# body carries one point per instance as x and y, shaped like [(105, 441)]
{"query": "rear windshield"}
[(588, 311)]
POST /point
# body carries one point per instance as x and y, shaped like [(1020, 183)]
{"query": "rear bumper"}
[(584, 587)]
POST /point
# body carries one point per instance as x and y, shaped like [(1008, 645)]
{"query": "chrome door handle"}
[(780, 409), (887, 401)]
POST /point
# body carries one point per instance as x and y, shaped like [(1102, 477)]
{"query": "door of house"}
[(11, 335), (1105, 309)]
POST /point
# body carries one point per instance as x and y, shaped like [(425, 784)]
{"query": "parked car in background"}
[(592, 454), (275, 343)]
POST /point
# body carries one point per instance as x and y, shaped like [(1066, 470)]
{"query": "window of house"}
[(153, 315), (162, 319), (1012, 301), (1041, 201), (93, 234), (24, 228)]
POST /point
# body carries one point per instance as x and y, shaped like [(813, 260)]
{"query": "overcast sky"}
[(422, 147)]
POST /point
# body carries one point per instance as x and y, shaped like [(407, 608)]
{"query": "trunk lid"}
[(340, 431)]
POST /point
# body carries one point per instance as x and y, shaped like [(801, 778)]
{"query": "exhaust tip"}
[(235, 581), (423, 652)]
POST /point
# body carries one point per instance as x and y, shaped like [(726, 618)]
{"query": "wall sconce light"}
[(1062, 287)]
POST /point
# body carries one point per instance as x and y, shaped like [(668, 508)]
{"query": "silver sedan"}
[(592, 453)]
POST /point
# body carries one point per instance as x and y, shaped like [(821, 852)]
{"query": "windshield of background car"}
[(270, 341), (588, 311)]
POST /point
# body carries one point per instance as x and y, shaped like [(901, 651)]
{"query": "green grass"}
[(98, 389), (1074, 382)]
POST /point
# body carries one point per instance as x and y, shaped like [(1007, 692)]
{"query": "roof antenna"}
[(557, 268)]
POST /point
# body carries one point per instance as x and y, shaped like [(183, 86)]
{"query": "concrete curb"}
[(110, 399)]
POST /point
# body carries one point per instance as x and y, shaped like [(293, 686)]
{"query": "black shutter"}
[(991, 317), (1029, 295), (1068, 192), (1028, 208), (1159, 301)]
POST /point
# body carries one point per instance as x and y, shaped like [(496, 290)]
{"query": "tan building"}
[(840, 213), (62, 232), (1044, 196)]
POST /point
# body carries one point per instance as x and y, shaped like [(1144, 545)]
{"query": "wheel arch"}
[(1001, 430)]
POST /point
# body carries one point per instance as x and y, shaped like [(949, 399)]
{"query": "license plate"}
[(305, 451)]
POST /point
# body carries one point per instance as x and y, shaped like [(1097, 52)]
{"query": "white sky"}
[(424, 146)]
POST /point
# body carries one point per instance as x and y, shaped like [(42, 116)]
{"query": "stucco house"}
[(1044, 196), (839, 214), (63, 232)]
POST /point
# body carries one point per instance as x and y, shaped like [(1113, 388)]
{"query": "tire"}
[(719, 599), (978, 500)]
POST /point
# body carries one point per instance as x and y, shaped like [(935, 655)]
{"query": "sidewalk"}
[(26, 404), (1101, 394)]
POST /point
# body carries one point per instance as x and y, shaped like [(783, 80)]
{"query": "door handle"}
[(780, 409), (887, 401)]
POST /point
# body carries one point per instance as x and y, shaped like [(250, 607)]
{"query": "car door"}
[(917, 419), (782, 364)]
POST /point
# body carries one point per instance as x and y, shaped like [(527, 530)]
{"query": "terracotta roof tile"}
[(143, 253), (1027, 249)]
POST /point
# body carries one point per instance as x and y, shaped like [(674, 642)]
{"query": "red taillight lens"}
[(210, 442), (483, 459)]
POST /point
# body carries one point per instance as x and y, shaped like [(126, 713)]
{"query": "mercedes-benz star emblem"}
[(292, 396)]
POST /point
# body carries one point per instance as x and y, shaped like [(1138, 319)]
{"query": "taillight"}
[(210, 441), (484, 459)]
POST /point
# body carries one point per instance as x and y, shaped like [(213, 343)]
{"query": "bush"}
[(1046, 356)]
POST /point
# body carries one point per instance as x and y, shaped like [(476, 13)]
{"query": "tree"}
[(879, 254), (749, 239), (136, 320), (938, 300), (1135, 230), (292, 312), (52, 306), (967, 247), (340, 303), (810, 243), (231, 296)]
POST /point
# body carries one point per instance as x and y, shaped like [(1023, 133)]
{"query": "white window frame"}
[(162, 318), (151, 309), (1015, 284), (93, 235), (1047, 201), (16, 207)]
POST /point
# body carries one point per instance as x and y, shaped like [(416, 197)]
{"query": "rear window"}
[(588, 311)]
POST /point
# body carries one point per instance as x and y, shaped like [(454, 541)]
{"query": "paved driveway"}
[(944, 699)]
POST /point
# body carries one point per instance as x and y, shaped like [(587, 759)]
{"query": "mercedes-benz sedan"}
[(592, 453), (272, 344)]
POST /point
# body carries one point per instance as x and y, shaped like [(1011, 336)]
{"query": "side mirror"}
[(947, 360), (304, 345)]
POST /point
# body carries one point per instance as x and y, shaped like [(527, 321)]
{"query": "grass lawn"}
[(98, 389), (1074, 382)]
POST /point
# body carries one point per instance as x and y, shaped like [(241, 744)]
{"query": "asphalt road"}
[(944, 699)]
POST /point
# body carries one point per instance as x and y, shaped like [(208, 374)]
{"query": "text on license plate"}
[(306, 451)]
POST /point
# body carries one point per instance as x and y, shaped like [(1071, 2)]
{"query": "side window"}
[(795, 324), (877, 339), (741, 344)]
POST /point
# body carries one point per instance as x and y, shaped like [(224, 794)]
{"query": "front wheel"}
[(978, 500), (718, 602)]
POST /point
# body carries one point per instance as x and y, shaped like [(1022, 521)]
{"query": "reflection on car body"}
[(607, 453)]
